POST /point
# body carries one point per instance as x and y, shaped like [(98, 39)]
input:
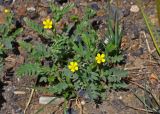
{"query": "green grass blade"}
[(150, 29), (158, 10)]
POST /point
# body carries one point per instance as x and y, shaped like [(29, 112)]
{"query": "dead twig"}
[(140, 109), (78, 103), (134, 68), (29, 100), (148, 91)]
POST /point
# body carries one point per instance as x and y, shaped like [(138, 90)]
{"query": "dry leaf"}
[(153, 78)]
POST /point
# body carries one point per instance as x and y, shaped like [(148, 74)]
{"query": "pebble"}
[(83, 102), (134, 33), (106, 41), (134, 9), (94, 6), (19, 92), (46, 100), (30, 9), (7, 2), (118, 104), (138, 52), (33, 15), (126, 12), (43, 13), (71, 111), (28, 38)]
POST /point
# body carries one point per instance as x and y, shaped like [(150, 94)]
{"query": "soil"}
[(141, 58)]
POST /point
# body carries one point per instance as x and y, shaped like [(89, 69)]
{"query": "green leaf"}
[(28, 69), (43, 79), (116, 75), (59, 88), (26, 46), (51, 79), (58, 12), (116, 58), (151, 31), (17, 32), (118, 85), (7, 42), (40, 51), (110, 47), (36, 27)]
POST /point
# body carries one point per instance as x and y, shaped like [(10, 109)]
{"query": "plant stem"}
[(158, 10)]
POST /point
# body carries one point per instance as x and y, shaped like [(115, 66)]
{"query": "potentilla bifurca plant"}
[(80, 63), (8, 34)]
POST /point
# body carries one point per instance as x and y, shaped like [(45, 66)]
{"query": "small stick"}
[(134, 68), (19, 92), (30, 98), (140, 86), (78, 103), (149, 49), (140, 109)]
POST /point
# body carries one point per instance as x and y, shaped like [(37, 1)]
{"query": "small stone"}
[(106, 41), (134, 33), (28, 38), (126, 12), (118, 104), (138, 52), (94, 6), (46, 100), (33, 14), (134, 9), (83, 102), (30, 9), (19, 92), (7, 2), (43, 13), (71, 111)]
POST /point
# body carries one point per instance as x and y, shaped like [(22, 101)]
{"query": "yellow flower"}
[(6, 11), (47, 24), (100, 58), (73, 66)]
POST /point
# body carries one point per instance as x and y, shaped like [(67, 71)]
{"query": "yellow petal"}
[(98, 55), (75, 64), (71, 63), (98, 61), (45, 26), (73, 70), (50, 26), (103, 60), (96, 58), (76, 68), (44, 22), (102, 55), (50, 22)]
